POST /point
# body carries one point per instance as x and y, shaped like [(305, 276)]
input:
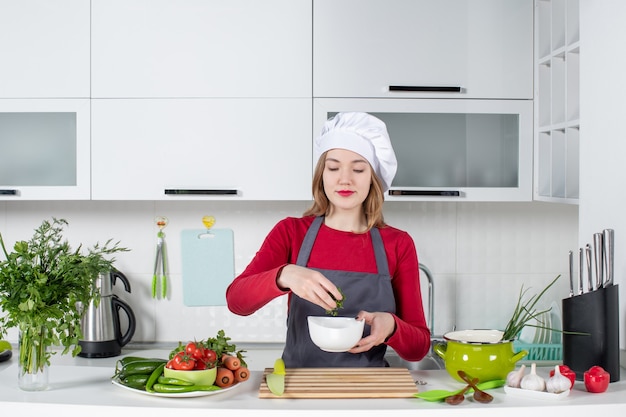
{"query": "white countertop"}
[(82, 387)]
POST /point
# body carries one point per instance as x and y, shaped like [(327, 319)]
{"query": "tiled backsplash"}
[(480, 254)]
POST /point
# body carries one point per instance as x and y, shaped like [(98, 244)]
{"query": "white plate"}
[(178, 395), (539, 395)]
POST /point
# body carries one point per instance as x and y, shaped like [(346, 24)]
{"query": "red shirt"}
[(334, 249)]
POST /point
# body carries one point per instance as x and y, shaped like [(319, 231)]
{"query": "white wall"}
[(603, 141), (480, 255)]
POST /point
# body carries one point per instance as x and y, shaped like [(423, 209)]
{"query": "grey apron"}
[(363, 291)]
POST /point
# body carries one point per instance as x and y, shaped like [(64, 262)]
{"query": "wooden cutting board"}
[(344, 383)]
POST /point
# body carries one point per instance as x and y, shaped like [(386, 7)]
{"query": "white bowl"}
[(335, 334)]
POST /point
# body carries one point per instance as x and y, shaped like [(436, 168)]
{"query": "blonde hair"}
[(372, 206)]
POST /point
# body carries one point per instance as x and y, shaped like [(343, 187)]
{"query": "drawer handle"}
[(8, 192), (426, 88), (436, 193), (177, 191)]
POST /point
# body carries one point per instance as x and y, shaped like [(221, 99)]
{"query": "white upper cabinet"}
[(201, 48), (44, 49), (207, 149), (44, 149), (423, 48)]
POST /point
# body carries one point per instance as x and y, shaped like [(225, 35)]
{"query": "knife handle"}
[(608, 236), (571, 273), (589, 267), (598, 247), (581, 270)]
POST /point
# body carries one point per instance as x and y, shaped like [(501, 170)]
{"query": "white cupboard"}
[(45, 149), (201, 48), (452, 150), (44, 49), (179, 149), (423, 48)]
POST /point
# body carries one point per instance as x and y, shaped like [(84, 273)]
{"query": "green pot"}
[(481, 354)]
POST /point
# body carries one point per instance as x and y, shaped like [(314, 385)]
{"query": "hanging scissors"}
[(160, 260)]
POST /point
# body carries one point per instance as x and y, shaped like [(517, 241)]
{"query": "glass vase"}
[(32, 361)]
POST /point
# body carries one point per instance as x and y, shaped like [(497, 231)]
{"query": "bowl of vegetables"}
[(195, 363), (335, 334)]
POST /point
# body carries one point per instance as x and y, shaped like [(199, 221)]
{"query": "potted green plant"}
[(41, 282)]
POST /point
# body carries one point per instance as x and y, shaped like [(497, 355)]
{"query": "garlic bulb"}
[(514, 378), (558, 382), (533, 381)]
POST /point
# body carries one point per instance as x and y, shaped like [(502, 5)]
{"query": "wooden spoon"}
[(479, 395), (460, 396)]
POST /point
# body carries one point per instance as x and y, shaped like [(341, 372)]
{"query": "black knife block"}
[(595, 313)]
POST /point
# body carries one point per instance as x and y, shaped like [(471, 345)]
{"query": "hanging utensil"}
[(160, 261), (598, 248), (608, 237)]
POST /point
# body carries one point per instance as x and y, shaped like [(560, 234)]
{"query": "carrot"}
[(231, 362), (241, 374), (225, 377)]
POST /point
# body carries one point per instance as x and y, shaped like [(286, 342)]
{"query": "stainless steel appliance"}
[(102, 334)]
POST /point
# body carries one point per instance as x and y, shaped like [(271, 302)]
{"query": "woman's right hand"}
[(310, 285)]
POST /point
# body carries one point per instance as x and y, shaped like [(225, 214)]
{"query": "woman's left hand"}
[(382, 325)]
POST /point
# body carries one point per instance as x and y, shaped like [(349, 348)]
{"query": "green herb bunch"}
[(42, 281), (339, 303), (524, 312)]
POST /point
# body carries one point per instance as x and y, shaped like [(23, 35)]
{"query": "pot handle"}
[(519, 355), (118, 304), (440, 349)]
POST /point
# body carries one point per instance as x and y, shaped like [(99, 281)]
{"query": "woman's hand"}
[(310, 285), (382, 325)]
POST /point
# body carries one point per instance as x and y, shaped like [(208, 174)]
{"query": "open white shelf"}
[(557, 96)]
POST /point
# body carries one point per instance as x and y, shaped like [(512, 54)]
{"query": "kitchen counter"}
[(80, 387)]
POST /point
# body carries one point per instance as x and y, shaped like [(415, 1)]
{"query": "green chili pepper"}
[(154, 377), (177, 389), (173, 381)]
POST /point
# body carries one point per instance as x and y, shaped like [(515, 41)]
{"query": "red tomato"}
[(194, 350), (210, 356), (200, 366), (597, 379), (566, 372), (183, 362)]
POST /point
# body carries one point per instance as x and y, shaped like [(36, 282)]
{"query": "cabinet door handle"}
[(436, 193), (178, 191), (8, 192), (426, 88)]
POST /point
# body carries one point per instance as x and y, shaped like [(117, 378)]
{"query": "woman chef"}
[(342, 242)]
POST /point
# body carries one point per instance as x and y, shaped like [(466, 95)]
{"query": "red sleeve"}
[(411, 340), (256, 286)]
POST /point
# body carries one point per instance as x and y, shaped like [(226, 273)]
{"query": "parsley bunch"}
[(42, 281)]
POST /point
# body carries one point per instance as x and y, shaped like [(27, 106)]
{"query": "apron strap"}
[(309, 239)]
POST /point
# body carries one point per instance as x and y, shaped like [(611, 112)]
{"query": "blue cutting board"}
[(208, 266)]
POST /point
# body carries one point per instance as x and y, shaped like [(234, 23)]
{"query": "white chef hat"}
[(361, 133)]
